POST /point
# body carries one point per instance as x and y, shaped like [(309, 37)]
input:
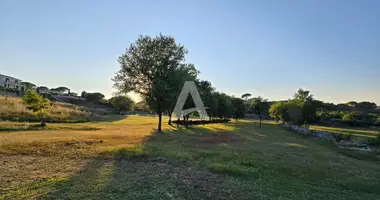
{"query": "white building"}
[(10, 82)]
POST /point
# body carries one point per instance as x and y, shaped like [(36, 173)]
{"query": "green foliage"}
[(238, 107), (278, 111), (35, 102), (28, 86), (300, 110), (142, 106), (365, 106), (352, 116), (303, 95), (42, 88), (122, 103), (259, 106), (74, 94), (83, 94), (146, 69), (246, 96), (375, 141), (61, 90), (94, 97)]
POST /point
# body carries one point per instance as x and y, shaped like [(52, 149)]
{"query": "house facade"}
[(10, 82)]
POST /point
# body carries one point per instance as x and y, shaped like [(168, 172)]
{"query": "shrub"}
[(35, 102), (375, 141)]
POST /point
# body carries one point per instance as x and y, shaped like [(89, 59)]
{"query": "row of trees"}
[(155, 69), (304, 109)]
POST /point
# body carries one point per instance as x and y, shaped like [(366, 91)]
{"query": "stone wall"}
[(324, 135)]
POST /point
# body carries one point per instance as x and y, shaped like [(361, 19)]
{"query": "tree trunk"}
[(170, 119), (260, 121), (159, 121)]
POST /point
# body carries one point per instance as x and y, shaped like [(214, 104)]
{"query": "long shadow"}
[(110, 118), (141, 178), (175, 164)]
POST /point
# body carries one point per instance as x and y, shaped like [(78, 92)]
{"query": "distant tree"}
[(260, 107), (94, 98), (365, 106), (246, 96), (145, 68), (303, 95), (74, 94), (238, 107), (142, 106), (36, 103), (279, 112), (28, 86), (61, 90), (343, 107), (352, 103), (122, 103), (83, 94), (42, 89), (174, 82), (295, 109), (224, 108), (206, 92)]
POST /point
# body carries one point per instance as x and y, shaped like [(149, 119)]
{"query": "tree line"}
[(155, 68)]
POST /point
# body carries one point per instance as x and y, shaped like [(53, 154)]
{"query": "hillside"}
[(13, 109)]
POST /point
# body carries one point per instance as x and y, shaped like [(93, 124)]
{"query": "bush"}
[(374, 141)]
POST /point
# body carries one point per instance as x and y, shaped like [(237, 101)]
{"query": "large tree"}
[(145, 68)]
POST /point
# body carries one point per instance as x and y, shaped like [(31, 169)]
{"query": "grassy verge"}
[(127, 159)]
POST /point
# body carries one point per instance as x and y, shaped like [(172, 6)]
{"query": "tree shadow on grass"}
[(142, 178), (110, 118)]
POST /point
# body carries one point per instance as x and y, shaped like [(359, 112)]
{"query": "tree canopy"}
[(122, 103), (145, 68)]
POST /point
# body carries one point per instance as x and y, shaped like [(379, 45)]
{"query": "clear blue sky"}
[(267, 48)]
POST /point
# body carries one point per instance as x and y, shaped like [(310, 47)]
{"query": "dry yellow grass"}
[(13, 109), (127, 159)]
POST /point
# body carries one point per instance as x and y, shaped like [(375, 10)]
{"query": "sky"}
[(268, 48)]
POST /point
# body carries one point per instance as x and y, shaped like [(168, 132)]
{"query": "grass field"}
[(357, 133), (126, 159)]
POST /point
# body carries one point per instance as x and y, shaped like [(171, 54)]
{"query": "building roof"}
[(10, 77)]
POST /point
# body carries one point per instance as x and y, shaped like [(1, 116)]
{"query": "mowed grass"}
[(358, 133), (127, 159)]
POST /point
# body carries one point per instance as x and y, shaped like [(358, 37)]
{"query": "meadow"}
[(126, 158)]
